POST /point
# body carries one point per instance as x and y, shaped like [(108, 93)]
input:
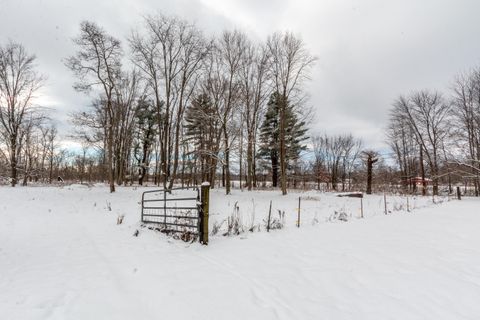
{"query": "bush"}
[(276, 223), (339, 215), (234, 222)]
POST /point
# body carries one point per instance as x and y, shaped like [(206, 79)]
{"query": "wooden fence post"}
[(459, 194), (205, 195), (408, 205), (298, 221)]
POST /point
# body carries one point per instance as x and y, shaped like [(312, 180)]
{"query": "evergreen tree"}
[(145, 134), (202, 130), (270, 132)]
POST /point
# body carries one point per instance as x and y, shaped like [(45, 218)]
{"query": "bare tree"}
[(51, 146), (213, 88), (129, 94), (255, 93), (194, 49), (19, 82), (90, 128), (290, 63), (319, 164), (427, 115), (33, 152), (169, 56), (231, 48), (403, 143), (335, 158), (351, 151), (466, 114), (97, 63)]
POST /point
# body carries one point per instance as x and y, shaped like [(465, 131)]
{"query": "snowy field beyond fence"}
[(63, 256)]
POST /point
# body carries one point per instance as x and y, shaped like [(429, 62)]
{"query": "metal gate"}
[(174, 211)]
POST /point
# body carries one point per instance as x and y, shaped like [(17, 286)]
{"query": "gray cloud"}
[(369, 51)]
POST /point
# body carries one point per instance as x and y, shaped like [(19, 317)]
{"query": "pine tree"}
[(145, 132), (270, 135), (202, 130)]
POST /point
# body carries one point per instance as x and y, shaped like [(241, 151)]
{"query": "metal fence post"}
[(143, 198), (205, 197), (385, 201), (269, 215)]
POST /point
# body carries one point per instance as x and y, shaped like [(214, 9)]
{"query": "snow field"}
[(62, 256)]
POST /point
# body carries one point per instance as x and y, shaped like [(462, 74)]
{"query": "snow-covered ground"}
[(62, 256)]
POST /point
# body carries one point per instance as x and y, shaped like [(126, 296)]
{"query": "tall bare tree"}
[(231, 48), (466, 114), (290, 63), (97, 64), (335, 157), (403, 143), (255, 92), (213, 90), (129, 94), (19, 82), (351, 150), (169, 56), (51, 146), (427, 114)]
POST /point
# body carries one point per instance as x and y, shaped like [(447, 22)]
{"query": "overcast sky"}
[(369, 51)]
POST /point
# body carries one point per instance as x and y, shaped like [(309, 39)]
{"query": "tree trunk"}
[(213, 170), (111, 174), (254, 166), (142, 175), (283, 169), (241, 159), (176, 154), (183, 168), (227, 160), (50, 170), (249, 162), (435, 180), (274, 158), (370, 162), (422, 170), (13, 160)]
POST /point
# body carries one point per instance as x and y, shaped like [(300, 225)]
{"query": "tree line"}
[(168, 102), (436, 137)]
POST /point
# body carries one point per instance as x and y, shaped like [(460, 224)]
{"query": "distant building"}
[(417, 181)]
